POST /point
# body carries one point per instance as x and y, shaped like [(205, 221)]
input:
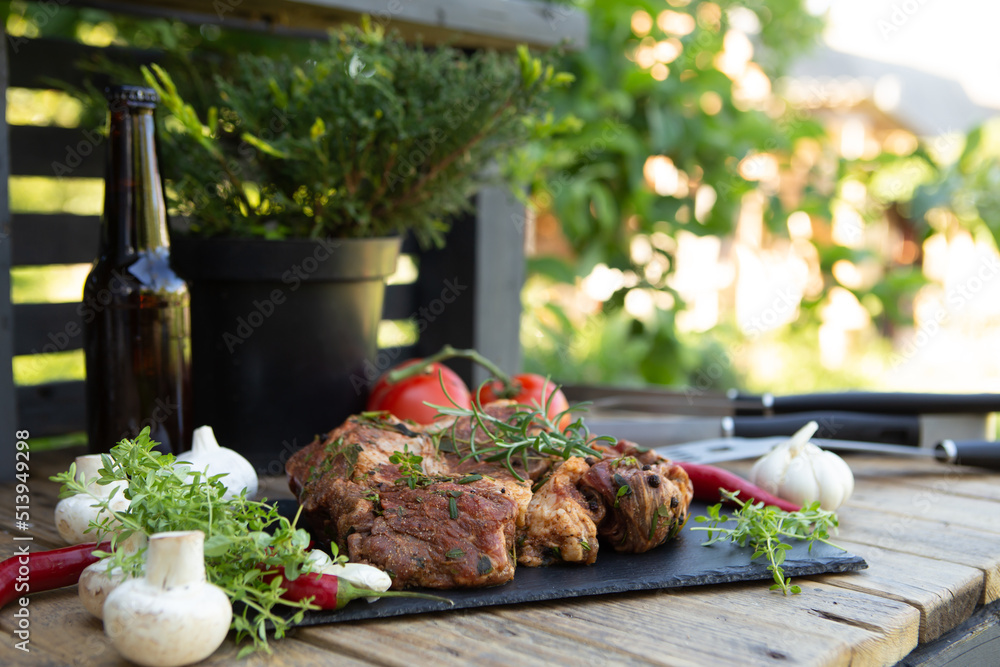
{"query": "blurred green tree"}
[(674, 98)]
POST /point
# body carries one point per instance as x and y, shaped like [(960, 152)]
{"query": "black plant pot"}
[(280, 333)]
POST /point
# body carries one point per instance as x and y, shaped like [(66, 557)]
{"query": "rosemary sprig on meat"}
[(529, 431)]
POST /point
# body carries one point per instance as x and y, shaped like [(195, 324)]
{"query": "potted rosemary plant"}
[(294, 186)]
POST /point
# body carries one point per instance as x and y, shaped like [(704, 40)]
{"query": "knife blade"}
[(914, 430), (980, 453)]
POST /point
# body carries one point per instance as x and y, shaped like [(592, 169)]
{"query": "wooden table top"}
[(930, 533)]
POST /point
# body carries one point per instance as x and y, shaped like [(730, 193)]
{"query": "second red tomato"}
[(530, 388)]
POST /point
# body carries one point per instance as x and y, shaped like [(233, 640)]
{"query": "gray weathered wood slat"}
[(56, 152), (8, 400), (41, 328), (59, 238), (36, 63), (467, 23), (944, 593), (55, 408), (501, 222)]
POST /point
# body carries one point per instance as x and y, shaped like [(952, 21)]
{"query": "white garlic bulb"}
[(799, 471), (207, 453)]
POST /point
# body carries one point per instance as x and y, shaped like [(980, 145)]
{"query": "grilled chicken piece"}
[(561, 522), (646, 503)]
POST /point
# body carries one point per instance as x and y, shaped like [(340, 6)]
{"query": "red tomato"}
[(405, 399), (529, 392)]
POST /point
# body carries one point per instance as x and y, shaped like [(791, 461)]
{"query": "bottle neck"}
[(135, 212)]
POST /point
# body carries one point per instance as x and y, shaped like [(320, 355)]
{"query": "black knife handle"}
[(981, 453), (890, 429), (885, 403)]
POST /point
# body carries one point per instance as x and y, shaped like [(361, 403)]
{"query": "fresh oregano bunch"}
[(239, 533), (763, 528)]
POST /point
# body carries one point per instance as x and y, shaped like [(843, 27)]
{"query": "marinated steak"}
[(425, 528), (419, 505)]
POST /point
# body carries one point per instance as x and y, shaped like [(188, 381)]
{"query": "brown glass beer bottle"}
[(136, 316)]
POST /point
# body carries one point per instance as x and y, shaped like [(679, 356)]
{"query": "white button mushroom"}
[(799, 471), (171, 616), (207, 453), (74, 514), (98, 579)]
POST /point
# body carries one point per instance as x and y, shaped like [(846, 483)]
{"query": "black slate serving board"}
[(683, 562)]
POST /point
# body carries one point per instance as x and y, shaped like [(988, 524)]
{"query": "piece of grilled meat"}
[(431, 528), (561, 523), (447, 520), (646, 497)]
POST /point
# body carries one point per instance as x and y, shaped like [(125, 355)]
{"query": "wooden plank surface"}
[(926, 576), (944, 593)]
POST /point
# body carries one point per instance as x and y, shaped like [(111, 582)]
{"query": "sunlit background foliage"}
[(715, 223)]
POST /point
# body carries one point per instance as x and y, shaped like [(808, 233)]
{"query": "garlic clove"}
[(362, 575), (768, 472), (359, 574), (799, 484), (206, 453), (801, 437), (834, 477), (317, 560)]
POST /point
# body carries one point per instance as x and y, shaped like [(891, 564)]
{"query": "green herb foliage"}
[(411, 468), (239, 533), (529, 431), (763, 529), (368, 137)]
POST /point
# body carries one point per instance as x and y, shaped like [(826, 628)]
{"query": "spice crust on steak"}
[(445, 520)]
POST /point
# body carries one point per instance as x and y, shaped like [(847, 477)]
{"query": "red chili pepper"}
[(707, 481), (332, 592), (36, 571)]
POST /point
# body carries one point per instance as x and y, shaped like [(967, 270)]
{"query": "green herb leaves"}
[(514, 437), (763, 528), (623, 488), (240, 534), (411, 469)]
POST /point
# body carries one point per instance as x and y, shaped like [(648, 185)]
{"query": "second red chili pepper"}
[(707, 480)]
